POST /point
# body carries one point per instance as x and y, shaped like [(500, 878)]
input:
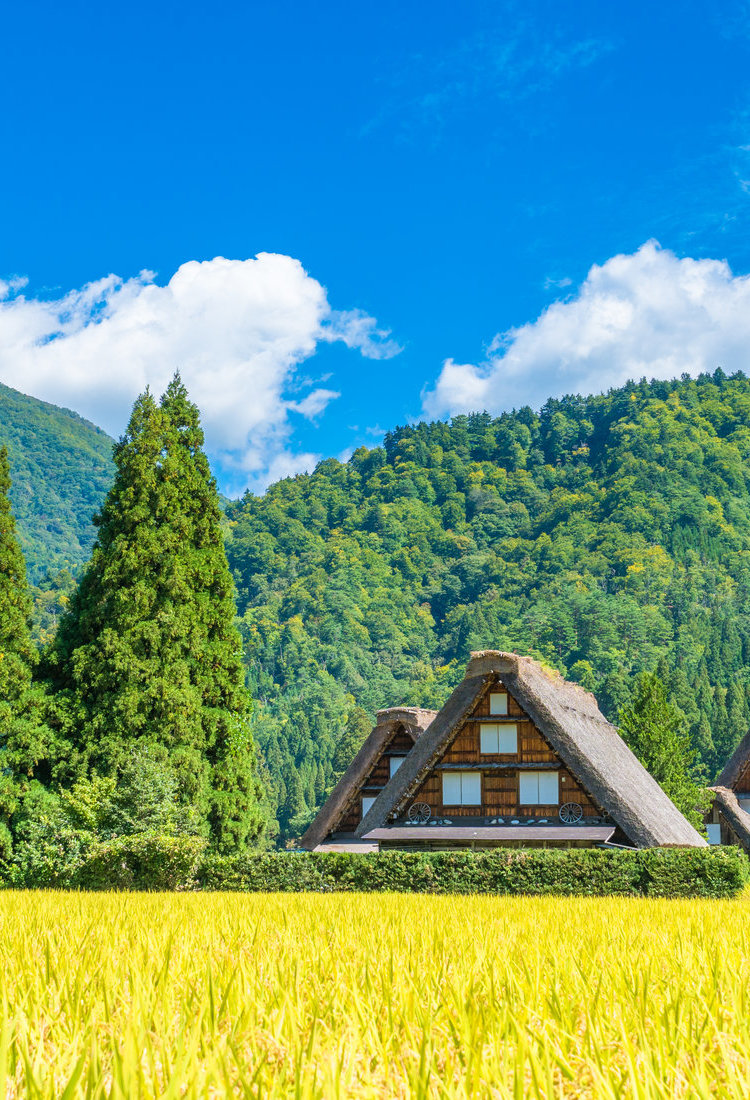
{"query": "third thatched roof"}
[(726, 802)]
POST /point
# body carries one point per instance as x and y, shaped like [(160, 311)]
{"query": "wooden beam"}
[(541, 766)]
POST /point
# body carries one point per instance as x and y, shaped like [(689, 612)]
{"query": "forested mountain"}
[(61, 468), (604, 534)]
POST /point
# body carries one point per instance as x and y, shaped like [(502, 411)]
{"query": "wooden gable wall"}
[(399, 744), (500, 785)]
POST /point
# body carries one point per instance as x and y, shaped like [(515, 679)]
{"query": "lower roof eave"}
[(597, 834), (352, 845)]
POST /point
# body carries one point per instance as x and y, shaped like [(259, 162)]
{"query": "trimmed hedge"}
[(150, 861), (657, 872)]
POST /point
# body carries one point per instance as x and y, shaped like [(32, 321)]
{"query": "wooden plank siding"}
[(500, 793), (399, 745)]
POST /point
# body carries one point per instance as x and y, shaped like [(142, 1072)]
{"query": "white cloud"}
[(237, 330), (649, 314)]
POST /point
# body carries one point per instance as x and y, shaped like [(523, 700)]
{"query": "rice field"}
[(372, 996)]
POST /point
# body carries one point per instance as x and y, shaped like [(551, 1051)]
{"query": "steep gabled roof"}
[(414, 721), (736, 764), (726, 801), (571, 722)]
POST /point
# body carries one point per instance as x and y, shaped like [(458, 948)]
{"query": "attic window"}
[(462, 788), (498, 737), (367, 801), (538, 789), (498, 702), (395, 763)]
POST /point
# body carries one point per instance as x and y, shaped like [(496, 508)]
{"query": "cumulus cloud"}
[(237, 330), (646, 314)]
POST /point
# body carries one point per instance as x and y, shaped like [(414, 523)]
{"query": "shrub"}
[(661, 872), (144, 861)]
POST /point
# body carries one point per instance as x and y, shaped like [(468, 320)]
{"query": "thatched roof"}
[(414, 721), (725, 800), (571, 722), (735, 765)]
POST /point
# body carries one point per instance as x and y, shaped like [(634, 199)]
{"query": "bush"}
[(143, 861), (658, 872), (47, 848)]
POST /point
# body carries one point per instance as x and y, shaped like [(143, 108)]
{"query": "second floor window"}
[(395, 764), (498, 737)]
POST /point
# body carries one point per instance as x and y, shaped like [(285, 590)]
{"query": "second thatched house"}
[(516, 757), (377, 761)]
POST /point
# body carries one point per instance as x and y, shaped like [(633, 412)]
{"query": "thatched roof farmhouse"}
[(517, 757)]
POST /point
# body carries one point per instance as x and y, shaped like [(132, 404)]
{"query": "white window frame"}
[(468, 786), (367, 801), (498, 703), (498, 738), (533, 787), (394, 764)]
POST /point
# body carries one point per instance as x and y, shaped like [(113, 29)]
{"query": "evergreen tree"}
[(149, 653), (357, 728), (25, 739), (657, 733)]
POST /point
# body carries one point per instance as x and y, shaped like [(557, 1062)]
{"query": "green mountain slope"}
[(605, 535), (61, 468)]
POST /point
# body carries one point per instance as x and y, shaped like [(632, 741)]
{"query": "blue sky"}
[(450, 172)]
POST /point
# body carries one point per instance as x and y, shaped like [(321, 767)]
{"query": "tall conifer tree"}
[(149, 653), (656, 731), (25, 739)]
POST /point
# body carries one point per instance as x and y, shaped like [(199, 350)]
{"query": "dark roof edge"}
[(734, 765)]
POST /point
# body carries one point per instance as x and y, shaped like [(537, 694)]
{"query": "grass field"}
[(373, 995)]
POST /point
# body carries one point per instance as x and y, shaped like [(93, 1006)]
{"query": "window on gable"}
[(498, 737), (538, 789), (367, 801), (395, 764), (498, 702), (462, 788)]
